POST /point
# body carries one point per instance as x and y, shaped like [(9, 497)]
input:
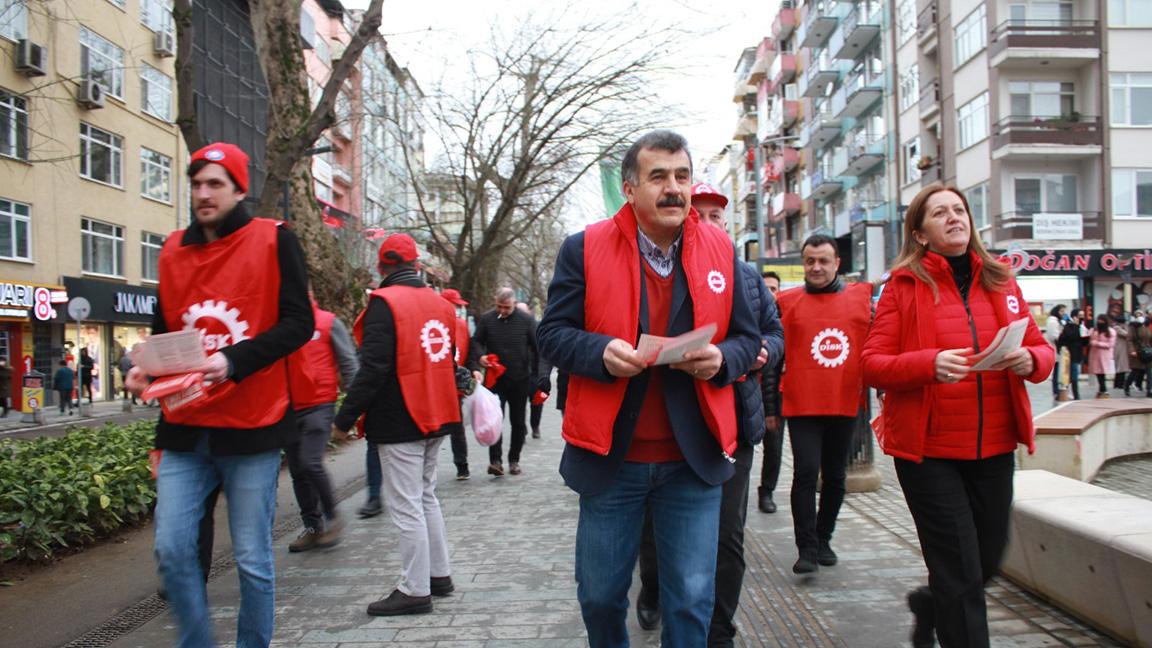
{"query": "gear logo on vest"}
[(315, 335), (830, 347), (435, 340), (716, 282), (220, 324), (1013, 304)]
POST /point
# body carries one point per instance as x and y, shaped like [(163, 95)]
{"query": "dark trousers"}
[(820, 445), (961, 510), (1136, 377), (535, 412), (729, 555), (310, 479), (1102, 383), (514, 394), (773, 451), (459, 447), (65, 399)]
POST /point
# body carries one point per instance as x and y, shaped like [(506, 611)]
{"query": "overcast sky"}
[(426, 35)]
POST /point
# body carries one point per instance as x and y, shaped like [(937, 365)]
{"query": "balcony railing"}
[(856, 32), (1018, 224), (785, 22), (1045, 34), (930, 100), (926, 24), (1073, 130), (783, 69), (785, 204)]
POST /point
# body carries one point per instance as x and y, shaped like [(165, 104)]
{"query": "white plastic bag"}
[(486, 416)]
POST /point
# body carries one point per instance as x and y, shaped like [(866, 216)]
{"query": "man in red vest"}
[(463, 359), (825, 324), (315, 374), (406, 391), (242, 282), (639, 436)]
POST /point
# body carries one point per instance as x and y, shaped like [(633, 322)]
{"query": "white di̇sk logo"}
[(1014, 304), (435, 340), (716, 282), (222, 319), (830, 347)]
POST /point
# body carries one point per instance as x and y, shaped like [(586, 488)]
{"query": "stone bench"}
[(1076, 438), (1085, 548)]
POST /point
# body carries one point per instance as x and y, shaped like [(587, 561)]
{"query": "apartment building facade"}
[(89, 177)]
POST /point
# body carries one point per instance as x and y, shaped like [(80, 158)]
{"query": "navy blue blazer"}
[(749, 399), (563, 341)]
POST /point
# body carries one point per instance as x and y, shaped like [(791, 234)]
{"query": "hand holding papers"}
[(179, 360), (1007, 340), (656, 350)]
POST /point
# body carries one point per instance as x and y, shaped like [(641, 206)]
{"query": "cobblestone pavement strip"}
[(512, 560)]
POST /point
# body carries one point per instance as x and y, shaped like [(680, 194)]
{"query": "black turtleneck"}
[(833, 286), (961, 272)]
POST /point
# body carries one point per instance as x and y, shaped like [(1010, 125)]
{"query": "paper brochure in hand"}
[(167, 354), (175, 392), (1007, 340), (656, 350)]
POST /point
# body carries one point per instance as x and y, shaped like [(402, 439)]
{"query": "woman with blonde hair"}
[(951, 430)]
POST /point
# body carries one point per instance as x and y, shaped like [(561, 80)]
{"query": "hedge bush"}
[(58, 493)]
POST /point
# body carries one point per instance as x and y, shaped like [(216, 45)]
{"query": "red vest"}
[(313, 378), (424, 364), (612, 307), (823, 337), (463, 339), (229, 289)]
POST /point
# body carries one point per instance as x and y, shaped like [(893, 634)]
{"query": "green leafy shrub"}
[(57, 493)]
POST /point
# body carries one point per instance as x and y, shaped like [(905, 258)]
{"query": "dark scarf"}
[(961, 272), (834, 286)]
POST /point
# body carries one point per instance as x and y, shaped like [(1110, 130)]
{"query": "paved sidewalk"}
[(512, 559)]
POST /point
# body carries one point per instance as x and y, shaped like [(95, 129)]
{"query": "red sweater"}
[(985, 414), (653, 441)]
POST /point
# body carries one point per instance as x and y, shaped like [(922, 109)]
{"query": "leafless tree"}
[(539, 107), (293, 127)]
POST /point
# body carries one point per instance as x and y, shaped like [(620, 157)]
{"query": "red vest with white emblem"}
[(824, 334), (463, 339), (424, 366), (612, 307), (313, 377), (229, 289)]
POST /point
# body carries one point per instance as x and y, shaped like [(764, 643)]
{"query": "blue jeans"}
[(249, 483), (375, 476), (686, 521)]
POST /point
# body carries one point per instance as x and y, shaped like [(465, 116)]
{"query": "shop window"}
[(150, 245), (103, 247), (101, 155), (15, 230)]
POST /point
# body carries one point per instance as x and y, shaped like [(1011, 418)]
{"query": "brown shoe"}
[(514, 468), (442, 586), (304, 542), (496, 469), (330, 536)]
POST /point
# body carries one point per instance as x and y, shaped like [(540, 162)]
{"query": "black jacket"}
[(375, 392), (750, 407), (513, 338), (1070, 339), (291, 331)]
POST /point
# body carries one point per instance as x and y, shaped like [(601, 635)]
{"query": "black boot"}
[(924, 618), (765, 501)]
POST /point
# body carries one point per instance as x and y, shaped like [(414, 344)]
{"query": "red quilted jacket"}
[(985, 414)]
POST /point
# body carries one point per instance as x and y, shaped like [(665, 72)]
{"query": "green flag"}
[(611, 187)]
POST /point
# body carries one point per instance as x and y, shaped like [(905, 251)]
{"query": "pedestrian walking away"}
[(773, 421), (465, 357), (5, 386), (125, 365), (709, 204), (1102, 361), (825, 323), (1139, 355), (953, 431), (64, 381), (406, 392), (640, 437), (1074, 337), (315, 374), (87, 372), (510, 334), (242, 282)]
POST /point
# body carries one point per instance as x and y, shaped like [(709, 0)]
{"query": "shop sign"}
[(21, 300), (114, 302), (1080, 262)]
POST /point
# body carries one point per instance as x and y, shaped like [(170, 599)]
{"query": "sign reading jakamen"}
[(1079, 262), (1058, 227)]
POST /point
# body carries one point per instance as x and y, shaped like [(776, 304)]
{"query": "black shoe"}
[(535, 433), (824, 555), (399, 603), (371, 508), (1127, 392), (924, 618), (462, 472), (442, 586), (647, 611), (806, 564), (766, 503)]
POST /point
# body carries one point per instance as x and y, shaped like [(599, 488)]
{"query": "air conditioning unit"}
[(164, 44), (91, 94), (31, 59)]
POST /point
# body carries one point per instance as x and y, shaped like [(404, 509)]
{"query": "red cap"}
[(229, 156), (398, 248), (705, 190), (453, 295)]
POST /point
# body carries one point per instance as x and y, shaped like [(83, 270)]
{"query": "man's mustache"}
[(671, 201)]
